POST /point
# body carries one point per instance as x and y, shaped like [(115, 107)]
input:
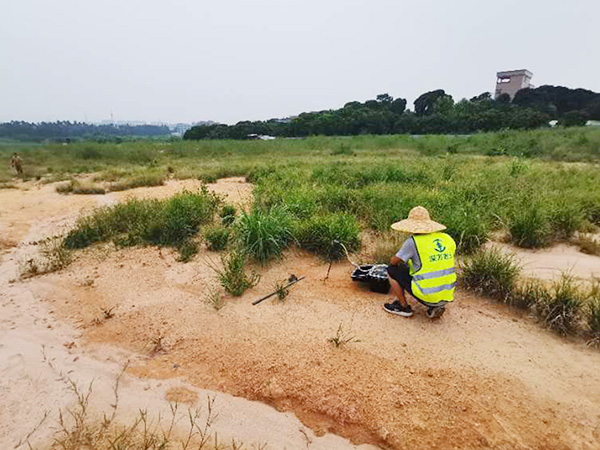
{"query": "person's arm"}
[(404, 254)]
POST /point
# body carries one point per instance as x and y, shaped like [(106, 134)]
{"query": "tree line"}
[(434, 112), (65, 130)]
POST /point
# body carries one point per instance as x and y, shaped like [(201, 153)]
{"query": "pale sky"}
[(231, 60)]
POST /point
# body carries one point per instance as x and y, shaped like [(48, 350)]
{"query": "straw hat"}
[(418, 222)]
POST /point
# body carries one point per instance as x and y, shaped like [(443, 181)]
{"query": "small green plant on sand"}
[(54, 257), (343, 337), (281, 290), (214, 298), (232, 275)]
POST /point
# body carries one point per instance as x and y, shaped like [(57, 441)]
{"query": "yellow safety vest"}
[(434, 282)]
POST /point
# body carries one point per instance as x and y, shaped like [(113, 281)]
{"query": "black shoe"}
[(436, 313), (398, 309)]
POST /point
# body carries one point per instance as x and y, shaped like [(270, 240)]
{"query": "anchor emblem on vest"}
[(439, 247)]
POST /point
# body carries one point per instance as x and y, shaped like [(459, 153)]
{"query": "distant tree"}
[(398, 106), (503, 99), (483, 97), (372, 104), (444, 105), (424, 105), (385, 99), (573, 119)]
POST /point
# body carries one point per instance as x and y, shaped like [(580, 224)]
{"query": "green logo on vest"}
[(439, 247)]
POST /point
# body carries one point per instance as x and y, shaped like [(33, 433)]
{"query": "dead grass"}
[(81, 428), (343, 336), (53, 257), (588, 245)]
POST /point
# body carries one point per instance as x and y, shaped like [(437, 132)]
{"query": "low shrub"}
[(529, 227), (528, 294), (491, 272), (217, 237), (264, 234), (232, 275), (76, 187), (321, 235)]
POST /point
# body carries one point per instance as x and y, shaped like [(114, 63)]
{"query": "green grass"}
[(170, 222), (264, 234), (217, 237), (322, 233), (232, 276)]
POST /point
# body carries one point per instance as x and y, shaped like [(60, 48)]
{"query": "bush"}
[(491, 273), (169, 222), (233, 276), (217, 237), (529, 228), (227, 214), (264, 234), (320, 233), (562, 310)]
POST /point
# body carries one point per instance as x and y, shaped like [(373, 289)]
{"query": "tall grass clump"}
[(233, 276), (491, 272), (169, 222), (322, 235), (593, 320), (228, 214), (562, 311), (149, 179), (529, 227), (264, 234)]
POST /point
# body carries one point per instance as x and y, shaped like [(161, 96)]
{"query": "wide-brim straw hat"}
[(418, 222)]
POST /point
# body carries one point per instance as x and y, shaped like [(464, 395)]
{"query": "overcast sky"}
[(231, 60)]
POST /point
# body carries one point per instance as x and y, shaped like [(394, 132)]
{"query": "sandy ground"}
[(550, 263), (483, 376)]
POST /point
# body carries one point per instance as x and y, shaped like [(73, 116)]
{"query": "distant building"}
[(512, 81)]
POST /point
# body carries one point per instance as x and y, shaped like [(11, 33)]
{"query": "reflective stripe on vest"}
[(435, 281)]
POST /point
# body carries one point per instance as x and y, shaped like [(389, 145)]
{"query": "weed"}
[(490, 272), (77, 187), (264, 234), (145, 179), (214, 298), (55, 257), (233, 275), (157, 344), (281, 290), (343, 149), (217, 237), (343, 337)]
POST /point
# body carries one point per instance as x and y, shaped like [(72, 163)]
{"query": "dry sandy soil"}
[(483, 376)]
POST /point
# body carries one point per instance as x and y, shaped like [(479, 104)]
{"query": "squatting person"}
[(423, 267)]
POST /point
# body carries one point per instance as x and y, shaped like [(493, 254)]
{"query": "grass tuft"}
[(264, 234), (529, 227), (491, 272), (321, 234), (232, 275), (562, 310)]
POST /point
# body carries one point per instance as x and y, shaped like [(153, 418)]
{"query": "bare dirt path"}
[(483, 376)]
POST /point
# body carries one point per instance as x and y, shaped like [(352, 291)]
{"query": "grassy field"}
[(523, 183), (535, 188)]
